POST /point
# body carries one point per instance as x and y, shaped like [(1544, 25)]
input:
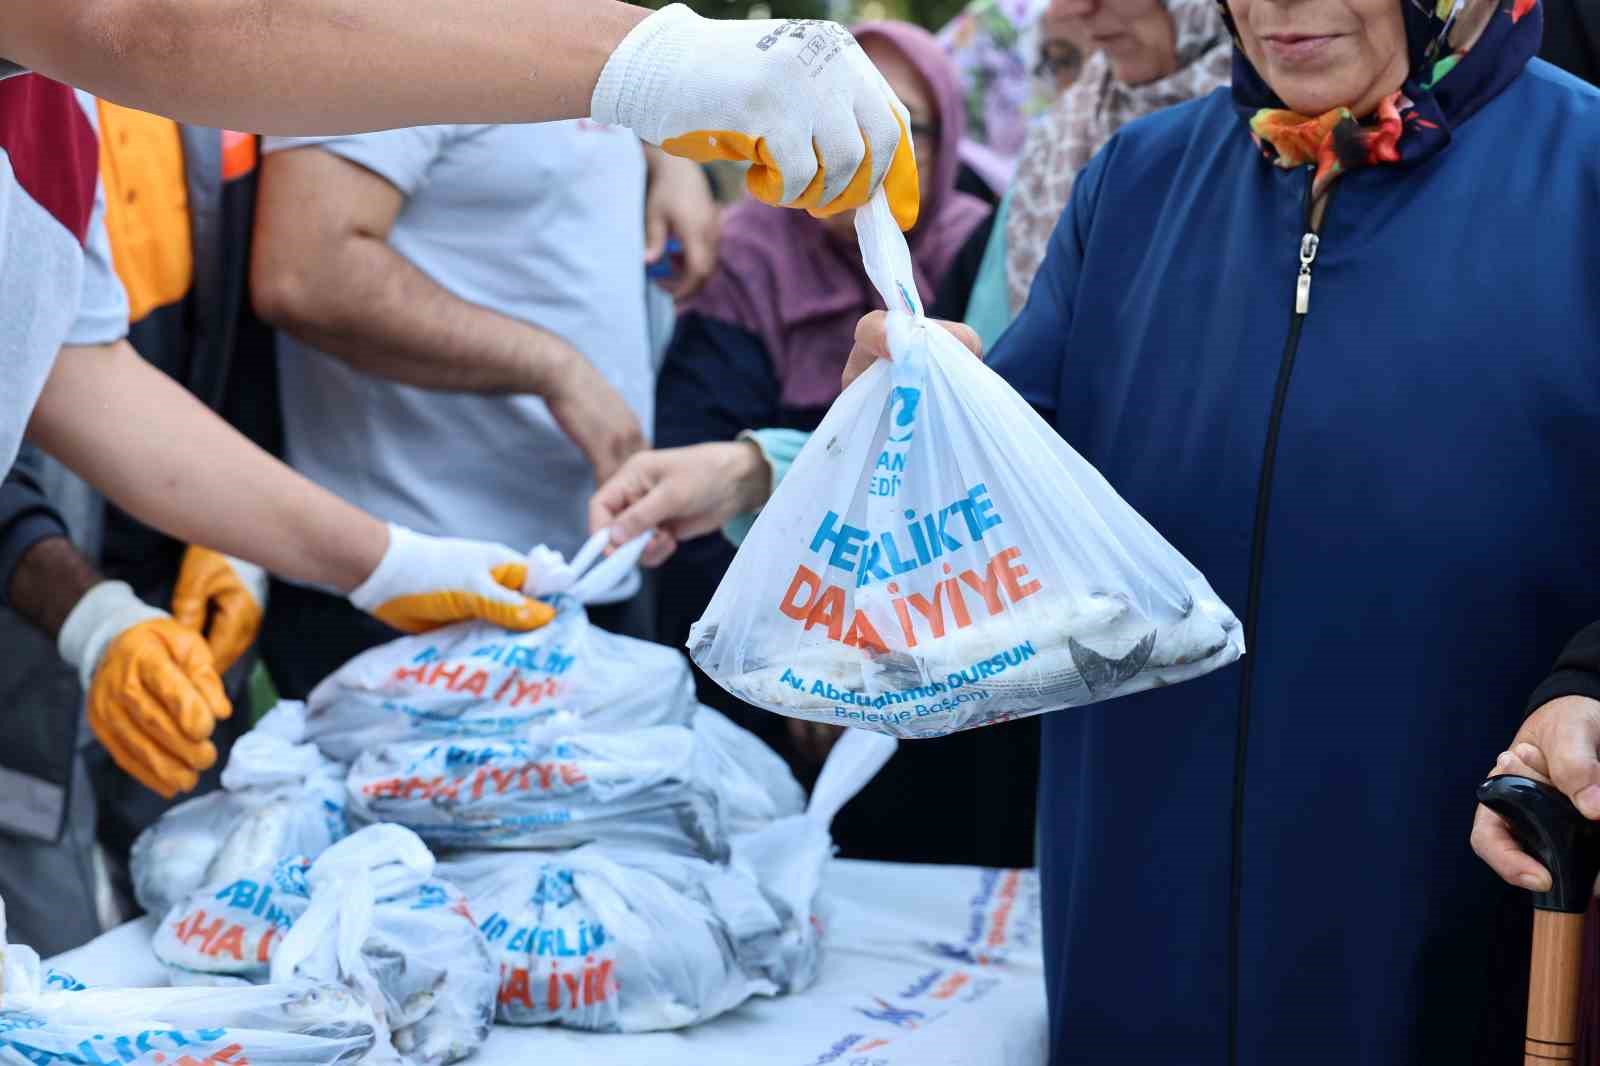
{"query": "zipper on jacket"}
[(1302, 285), (1309, 243)]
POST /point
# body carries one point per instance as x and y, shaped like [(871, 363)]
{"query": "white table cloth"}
[(924, 966)]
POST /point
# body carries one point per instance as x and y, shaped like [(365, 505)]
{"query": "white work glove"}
[(797, 98), (425, 582)]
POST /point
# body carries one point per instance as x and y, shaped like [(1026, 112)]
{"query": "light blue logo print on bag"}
[(886, 477)]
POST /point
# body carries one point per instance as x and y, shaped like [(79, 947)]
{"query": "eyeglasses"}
[(925, 132), (1057, 59)]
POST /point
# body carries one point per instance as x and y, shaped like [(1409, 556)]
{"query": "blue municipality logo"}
[(903, 1017), (906, 400), (555, 887)]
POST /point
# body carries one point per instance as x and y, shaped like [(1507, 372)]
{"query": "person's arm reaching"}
[(681, 493), (325, 66), (797, 98), (322, 269), (691, 491), (167, 460)]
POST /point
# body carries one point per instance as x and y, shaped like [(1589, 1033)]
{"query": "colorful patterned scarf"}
[(1463, 53), (1084, 118)]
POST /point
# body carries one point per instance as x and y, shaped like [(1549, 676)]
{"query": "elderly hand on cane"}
[(1558, 745)]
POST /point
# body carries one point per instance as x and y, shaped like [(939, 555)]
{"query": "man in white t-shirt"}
[(464, 339)]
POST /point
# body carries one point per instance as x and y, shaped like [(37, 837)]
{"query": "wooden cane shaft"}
[(1553, 984)]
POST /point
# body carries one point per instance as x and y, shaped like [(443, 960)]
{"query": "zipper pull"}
[(1302, 289)]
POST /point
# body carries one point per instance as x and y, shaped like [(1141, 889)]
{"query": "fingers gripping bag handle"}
[(588, 576), (887, 257)]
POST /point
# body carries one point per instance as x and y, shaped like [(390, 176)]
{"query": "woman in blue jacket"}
[(1337, 335)]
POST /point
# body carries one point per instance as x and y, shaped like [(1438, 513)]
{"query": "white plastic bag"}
[(367, 913), (680, 789), (279, 797), (48, 1017), (788, 858), (476, 680), (938, 558), (754, 783), (589, 940)]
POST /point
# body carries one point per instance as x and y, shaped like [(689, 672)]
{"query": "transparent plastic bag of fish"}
[(477, 681), (279, 796), (369, 914), (938, 558), (672, 787), (49, 1017)]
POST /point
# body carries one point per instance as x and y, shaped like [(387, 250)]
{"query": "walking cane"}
[(1549, 828)]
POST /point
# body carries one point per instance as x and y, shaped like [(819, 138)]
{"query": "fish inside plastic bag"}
[(587, 942), (279, 796), (939, 558), (47, 1017), (631, 940), (475, 680), (367, 913), (668, 786)]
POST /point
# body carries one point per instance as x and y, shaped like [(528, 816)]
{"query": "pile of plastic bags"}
[(625, 940), (613, 855)]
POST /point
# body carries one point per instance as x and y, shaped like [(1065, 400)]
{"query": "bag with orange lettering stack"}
[(681, 789), (49, 1017), (938, 558), (368, 914), (619, 939), (477, 681)]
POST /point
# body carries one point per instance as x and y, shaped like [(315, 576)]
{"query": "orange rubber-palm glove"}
[(425, 582), (152, 689), (796, 98), (223, 598)]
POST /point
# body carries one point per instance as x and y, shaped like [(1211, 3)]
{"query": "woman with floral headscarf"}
[(1150, 55), (1335, 333)]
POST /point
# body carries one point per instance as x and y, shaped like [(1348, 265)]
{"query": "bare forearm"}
[(368, 305), (325, 66), (50, 579), (166, 459)]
